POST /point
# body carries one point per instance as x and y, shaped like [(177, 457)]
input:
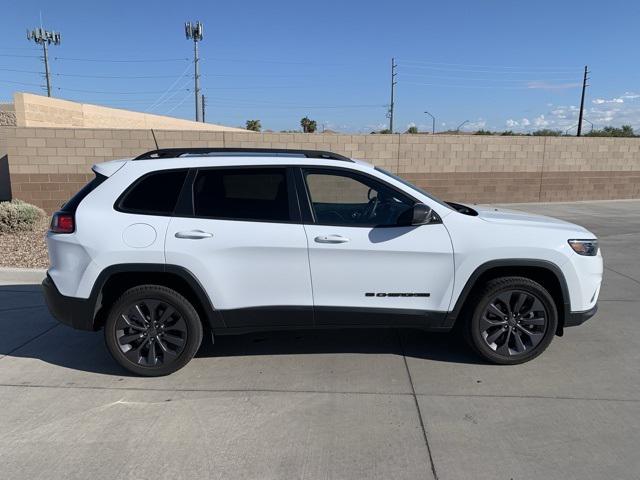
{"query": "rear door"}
[(367, 265), (242, 238)]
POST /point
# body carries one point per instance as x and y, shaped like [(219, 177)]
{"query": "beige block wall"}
[(47, 165), (40, 111)]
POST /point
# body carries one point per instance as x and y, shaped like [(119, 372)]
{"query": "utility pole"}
[(204, 105), (45, 38), (194, 31), (433, 122), (584, 87), (393, 85)]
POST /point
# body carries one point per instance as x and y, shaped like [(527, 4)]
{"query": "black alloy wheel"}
[(152, 330), (513, 320)]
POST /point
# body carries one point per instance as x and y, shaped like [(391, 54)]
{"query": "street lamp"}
[(433, 122), (460, 126)]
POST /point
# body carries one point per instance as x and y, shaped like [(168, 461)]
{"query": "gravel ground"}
[(25, 249)]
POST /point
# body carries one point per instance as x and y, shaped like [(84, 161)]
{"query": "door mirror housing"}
[(422, 214)]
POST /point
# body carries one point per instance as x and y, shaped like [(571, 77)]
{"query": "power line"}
[(496, 87), (79, 75), (22, 83), (182, 88), (184, 99), (568, 69), (104, 60), (111, 92), (19, 56), (184, 72), (501, 72), (265, 87), (444, 77)]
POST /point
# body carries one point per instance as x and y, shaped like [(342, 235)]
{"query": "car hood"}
[(515, 217)]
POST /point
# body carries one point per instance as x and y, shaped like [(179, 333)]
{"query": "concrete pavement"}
[(333, 404)]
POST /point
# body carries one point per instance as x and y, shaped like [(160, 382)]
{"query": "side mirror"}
[(421, 214)]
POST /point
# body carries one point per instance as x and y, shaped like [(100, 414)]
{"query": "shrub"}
[(17, 215)]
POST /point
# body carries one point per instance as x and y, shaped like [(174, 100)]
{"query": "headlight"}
[(588, 248)]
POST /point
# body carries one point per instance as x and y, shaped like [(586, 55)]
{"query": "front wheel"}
[(152, 330), (514, 320)]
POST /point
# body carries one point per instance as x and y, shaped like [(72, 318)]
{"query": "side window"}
[(155, 194), (242, 194), (350, 199)]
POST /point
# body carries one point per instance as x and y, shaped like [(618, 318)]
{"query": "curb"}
[(14, 275)]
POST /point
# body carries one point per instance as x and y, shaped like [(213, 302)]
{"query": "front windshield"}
[(412, 186)]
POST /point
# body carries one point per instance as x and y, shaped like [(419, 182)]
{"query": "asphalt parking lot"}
[(359, 404)]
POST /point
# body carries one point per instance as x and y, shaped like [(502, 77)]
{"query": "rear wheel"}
[(152, 330), (514, 320)]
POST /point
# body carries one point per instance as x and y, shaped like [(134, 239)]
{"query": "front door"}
[(367, 265)]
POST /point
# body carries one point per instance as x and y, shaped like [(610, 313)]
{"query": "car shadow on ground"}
[(27, 330)]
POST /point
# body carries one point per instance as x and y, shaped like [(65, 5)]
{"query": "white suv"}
[(161, 248)]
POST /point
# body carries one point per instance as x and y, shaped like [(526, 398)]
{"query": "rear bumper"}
[(74, 312), (578, 318)]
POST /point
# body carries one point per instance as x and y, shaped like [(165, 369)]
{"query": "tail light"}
[(62, 222)]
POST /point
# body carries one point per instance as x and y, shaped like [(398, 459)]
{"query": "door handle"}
[(194, 234), (331, 239)]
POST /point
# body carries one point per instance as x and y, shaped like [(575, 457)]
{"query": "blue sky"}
[(499, 64)]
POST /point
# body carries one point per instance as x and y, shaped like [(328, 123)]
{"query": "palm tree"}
[(308, 125), (254, 125)]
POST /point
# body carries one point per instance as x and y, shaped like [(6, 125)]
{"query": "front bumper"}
[(578, 318), (74, 312)]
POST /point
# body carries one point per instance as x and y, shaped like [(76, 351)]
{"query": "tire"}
[(152, 331), (513, 320)]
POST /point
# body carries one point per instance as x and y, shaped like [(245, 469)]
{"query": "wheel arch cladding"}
[(546, 273), (116, 279)]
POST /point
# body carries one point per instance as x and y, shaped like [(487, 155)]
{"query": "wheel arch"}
[(116, 279), (548, 274)]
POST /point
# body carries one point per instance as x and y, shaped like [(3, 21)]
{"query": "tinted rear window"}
[(242, 194), (155, 194)]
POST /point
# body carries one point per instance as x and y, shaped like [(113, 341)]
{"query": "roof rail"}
[(177, 152)]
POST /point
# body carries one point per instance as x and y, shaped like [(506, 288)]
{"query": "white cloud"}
[(525, 122), (511, 123), (477, 125), (540, 121), (603, 111), (600, 101)]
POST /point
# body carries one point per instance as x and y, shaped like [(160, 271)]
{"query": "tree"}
[(483, 132), (547, 132), (384, 131), (624, 131), (254, 125), (412, 129), (308, 125)]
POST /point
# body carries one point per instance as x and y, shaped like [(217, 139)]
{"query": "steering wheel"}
[(369, 211)]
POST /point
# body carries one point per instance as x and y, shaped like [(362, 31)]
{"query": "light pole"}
[(45, 38), (194, 31), (433, 122), (460, 126), (589, 122)]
